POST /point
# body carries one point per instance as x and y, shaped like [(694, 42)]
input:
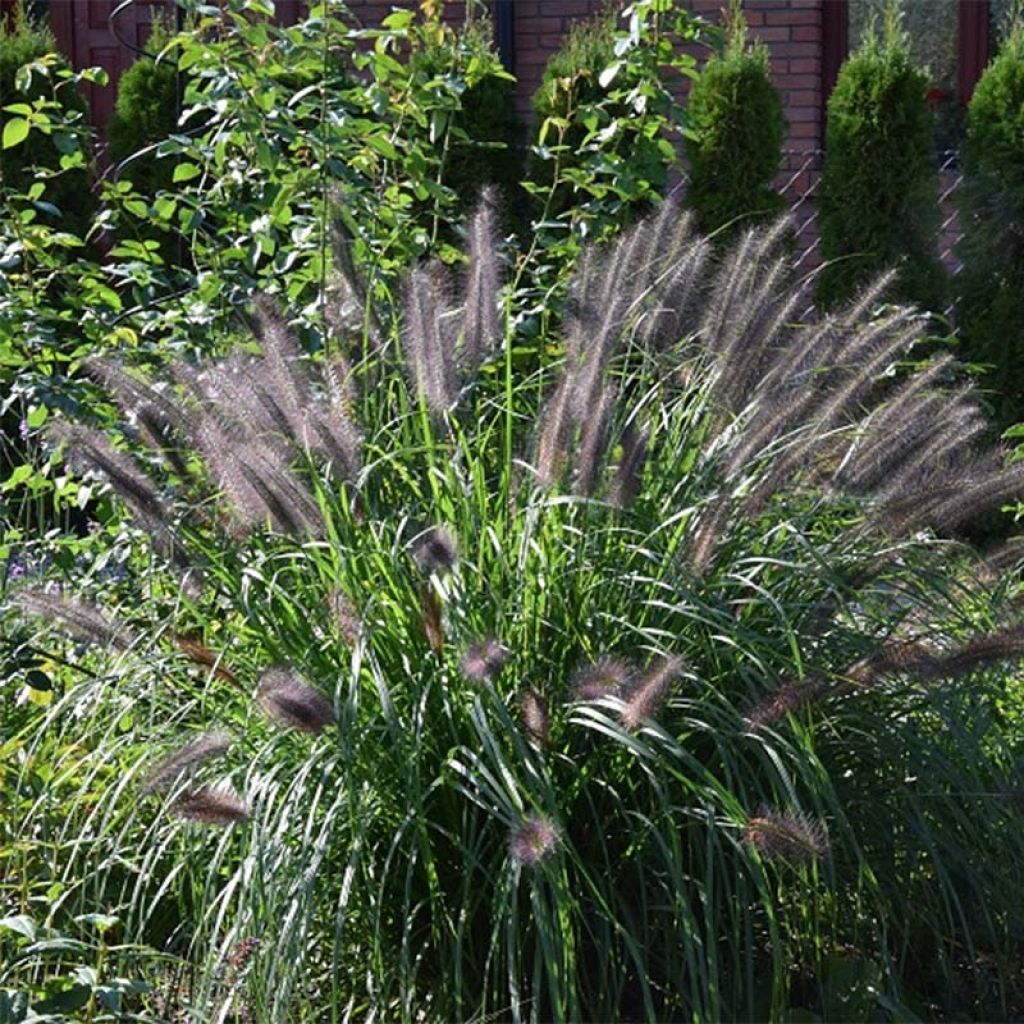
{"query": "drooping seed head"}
[(650, 691), (187, 758), (533, 841), (535, 717), (344, 616), (291, 702), (80, 620), (786, 699), (483, 661), (785, 835), (212, 805), (608, 676), (435, 551)]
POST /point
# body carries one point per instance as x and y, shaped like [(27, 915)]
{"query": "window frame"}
[(972, 44)]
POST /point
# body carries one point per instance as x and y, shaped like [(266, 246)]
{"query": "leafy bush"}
[(608, 117), (66, 198), (990, 308), (632, 689), (737, 127), (484, 133), (879, 191)]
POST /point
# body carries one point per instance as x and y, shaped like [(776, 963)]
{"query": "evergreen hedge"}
[(737, 127), (879, 189), (990, 309)]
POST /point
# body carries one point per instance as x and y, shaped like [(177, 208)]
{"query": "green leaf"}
[(383, 146), (18, 476), (21, 924), (398, 20), (15, 132), (186, 172)]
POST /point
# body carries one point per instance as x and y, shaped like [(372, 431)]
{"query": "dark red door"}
[(88, 38)]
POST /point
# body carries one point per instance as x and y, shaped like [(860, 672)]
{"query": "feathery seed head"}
[(291, 702), (608, 676), (435, 551), (82, 621), (483, 662), (535, 717), (785, 835), (533, 841), (786, 699), (212, 805), (344, 615), (187, 758), (650, 691)]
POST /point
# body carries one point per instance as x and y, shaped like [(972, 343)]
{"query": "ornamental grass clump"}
[(640, 684)]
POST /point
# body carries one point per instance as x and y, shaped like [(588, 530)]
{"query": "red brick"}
[(788, 82), (810, 65), (803, 98), (795, 114), (802, 130), (791, 49), (789, 16), (807, 33), (773, 34)]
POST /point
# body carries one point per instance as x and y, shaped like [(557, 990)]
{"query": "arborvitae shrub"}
[(738, 127), (879, 189), (484, 146), (146, 112), (990, 310), (22, 41)]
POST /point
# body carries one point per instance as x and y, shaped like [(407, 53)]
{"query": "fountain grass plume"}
[(608, 676), (536, 718), (533, 841), (289, 701), (787, 698), (786, 835), (188, 758), (81, 620), (212, 805), (427, 340), (481, 331), (650, 690), (483, 661), (627, 481)]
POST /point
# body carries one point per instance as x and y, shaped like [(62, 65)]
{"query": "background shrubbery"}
[(69, 201), (736, 126), (878, 199), (990, 307)]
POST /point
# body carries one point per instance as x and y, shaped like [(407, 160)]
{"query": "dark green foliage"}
[(146, 113), (990, 310), (579, 108), (484, 145), (737, 128), (21, 42), (879, 191)]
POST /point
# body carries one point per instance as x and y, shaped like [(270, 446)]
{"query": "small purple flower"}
[(23, 430)]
